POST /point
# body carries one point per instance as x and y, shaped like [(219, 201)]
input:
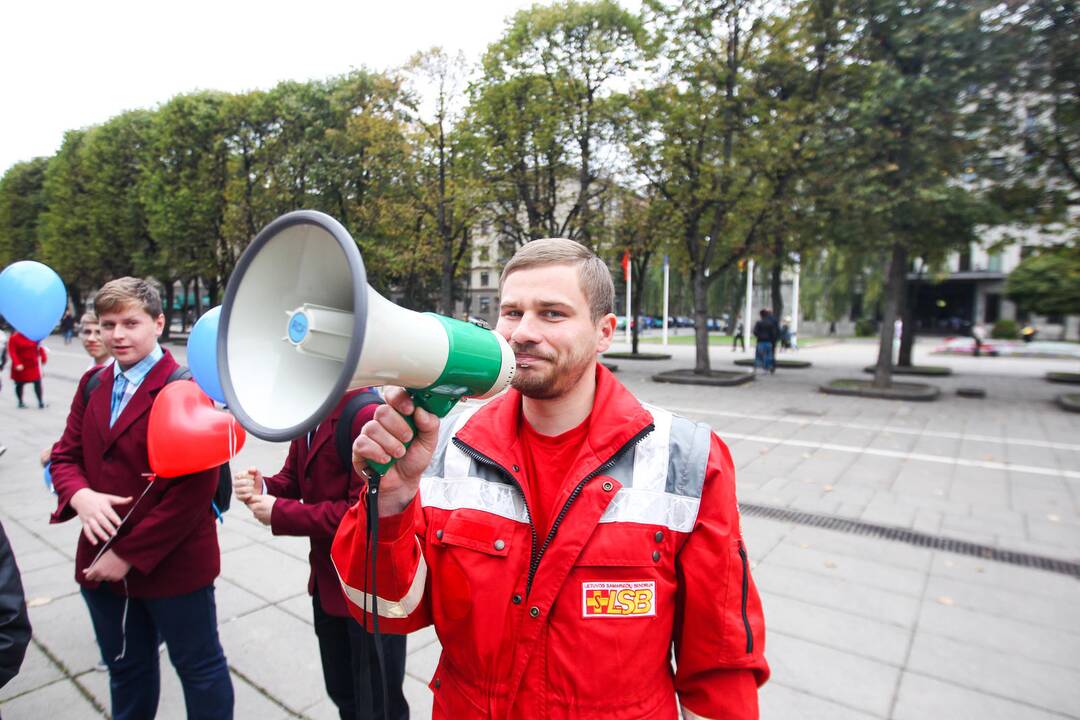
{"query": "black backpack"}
[(223, 494), (343, 439)]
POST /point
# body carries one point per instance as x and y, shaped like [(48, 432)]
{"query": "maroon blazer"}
[(170, 541), (313, 492)]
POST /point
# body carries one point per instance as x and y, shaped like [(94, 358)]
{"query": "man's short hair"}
[(593, 275), (121, 292)]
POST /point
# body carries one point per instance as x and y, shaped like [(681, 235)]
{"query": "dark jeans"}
[(188, 625), (763, 355), (37, 391), (738, 340), (351, 668)]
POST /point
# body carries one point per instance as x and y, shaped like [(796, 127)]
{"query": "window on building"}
[(485, 305), (992, 313), (483, 278), (484, 254), (965, 261), (993, 262)]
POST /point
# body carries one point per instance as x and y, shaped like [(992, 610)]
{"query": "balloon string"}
[(122, 521)]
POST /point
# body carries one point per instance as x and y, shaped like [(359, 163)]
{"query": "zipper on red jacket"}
[(481, 458), (745, 595), (535, 565), (534, 555)]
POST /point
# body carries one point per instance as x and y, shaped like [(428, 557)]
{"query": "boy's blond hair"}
[(122, 292)]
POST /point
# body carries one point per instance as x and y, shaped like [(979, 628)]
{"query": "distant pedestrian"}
[(785, 334), (737, 338), (27, 357), (978, 334), (67, 326), (766, 332)]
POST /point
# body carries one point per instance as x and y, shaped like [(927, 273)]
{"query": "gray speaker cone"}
[(301, 257)]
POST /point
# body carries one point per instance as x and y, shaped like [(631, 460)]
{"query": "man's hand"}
[(45, 455), (385, 437), (96, 513), (108, 568), (20, 368), (261, 507), (248, 484)]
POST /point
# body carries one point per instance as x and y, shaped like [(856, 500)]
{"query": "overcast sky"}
[(67, 65)]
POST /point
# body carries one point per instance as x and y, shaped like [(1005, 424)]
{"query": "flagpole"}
[(629, 270), (665, 299), (747, 319)]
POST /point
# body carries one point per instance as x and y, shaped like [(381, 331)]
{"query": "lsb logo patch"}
[(618, 599)]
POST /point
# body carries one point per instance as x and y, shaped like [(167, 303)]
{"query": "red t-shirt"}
[(548, 460)]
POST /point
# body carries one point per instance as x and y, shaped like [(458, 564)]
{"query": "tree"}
[(915, 74), (22, 203), (546, 106), (446, 184), (1048, 282)]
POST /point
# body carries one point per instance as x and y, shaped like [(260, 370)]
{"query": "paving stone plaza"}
[(850, 505)]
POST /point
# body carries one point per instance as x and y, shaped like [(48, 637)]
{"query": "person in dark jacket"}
[(766, 331), (14, 622), (308, 497)]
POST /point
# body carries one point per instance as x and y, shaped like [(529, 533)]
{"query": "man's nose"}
[(526, 331)]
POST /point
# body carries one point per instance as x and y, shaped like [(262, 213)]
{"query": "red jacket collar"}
[(616, 418)]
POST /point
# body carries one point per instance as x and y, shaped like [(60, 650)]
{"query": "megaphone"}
[(300, 326)]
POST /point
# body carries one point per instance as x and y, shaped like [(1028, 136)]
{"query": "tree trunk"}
[(169, 296), (701, 332), (76, 300), (892, 301), (198, 299), (184, 304), (907, 316), (635, 309), (777, 272), (446, 282)]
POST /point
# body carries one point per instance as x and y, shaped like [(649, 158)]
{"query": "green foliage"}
[(1005, 330), (22, 201), (865, 328), (1048, 282)]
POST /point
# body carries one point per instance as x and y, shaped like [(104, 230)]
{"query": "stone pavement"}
[(858, 626)]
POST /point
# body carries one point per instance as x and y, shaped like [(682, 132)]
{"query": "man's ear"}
[(159, 324), (605, 329)]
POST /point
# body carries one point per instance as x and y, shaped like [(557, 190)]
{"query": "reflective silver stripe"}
[(390, 608), (669, 474), (675, 512), (474, 493), (447, 460)]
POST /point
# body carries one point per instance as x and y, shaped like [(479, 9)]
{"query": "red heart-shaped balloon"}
[(188, 434)]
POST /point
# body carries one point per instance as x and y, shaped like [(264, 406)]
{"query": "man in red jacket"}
[(146, 568), (563, 539), (308, 497)]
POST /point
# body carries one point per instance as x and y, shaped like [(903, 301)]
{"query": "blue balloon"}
[(32, 298), (202, 354)]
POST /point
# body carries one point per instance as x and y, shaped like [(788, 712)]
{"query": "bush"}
[(865, 328), (1005, 330)]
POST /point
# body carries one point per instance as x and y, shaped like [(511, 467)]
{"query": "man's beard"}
[(560, 375)]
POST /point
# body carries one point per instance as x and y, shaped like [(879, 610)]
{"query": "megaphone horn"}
[(300, 326)]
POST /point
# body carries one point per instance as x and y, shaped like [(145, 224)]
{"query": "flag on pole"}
[(626, 264)]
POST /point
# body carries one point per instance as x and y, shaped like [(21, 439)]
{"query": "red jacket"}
[(313, 492), (645, 555), (26, 352), (171, 541)]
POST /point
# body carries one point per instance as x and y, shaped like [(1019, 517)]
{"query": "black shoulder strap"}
[(343, 437), (180, 373), (92, 383)]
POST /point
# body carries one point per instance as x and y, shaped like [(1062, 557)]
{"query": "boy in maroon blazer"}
[(146, 567), (308, 497)]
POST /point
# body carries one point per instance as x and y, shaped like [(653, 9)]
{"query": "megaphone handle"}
[(439, 404)]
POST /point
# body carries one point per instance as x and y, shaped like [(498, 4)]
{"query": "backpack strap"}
[(343, 437), (92, 384)]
